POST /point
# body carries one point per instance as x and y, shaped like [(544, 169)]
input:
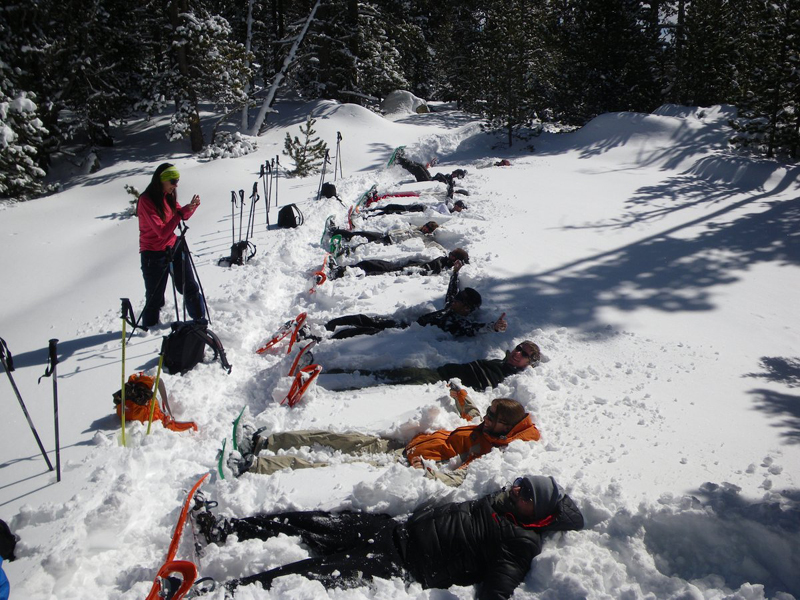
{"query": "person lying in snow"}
[(505, 421), (489, 542), (378, 267), (393, 236), (478, 374), (398, 209), (421, 172), (453, 318)]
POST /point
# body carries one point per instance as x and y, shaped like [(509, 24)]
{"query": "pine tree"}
[(23, 136), (196, 60), (307, 154)]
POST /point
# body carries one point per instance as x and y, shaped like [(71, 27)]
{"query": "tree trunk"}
[(195, 132)]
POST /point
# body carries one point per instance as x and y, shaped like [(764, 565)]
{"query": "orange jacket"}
[(468, 442)]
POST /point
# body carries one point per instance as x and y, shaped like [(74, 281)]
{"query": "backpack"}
[(239, 254), (138, 393), (288, 218), (7, 542), (328, 190), (185, 346)]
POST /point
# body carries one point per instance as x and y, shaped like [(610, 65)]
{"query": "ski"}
[(292, 326), (300, 355), (187, 569), (326, 232), (236, 429), (393, 157), (302, 381), (222, 458), (320, 276)]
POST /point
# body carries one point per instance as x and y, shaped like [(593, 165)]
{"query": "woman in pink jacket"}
[(159, 214)]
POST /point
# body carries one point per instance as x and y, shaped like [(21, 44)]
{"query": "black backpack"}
[(328, 190), (7, 542), (241, 252), (288, 218), (185, 346)]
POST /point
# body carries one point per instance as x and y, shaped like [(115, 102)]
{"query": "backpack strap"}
[(215, 344), (300, 219)]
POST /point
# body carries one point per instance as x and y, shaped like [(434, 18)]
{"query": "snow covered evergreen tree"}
[(198, 61), (769, 118), (307, 153), (23, 136)]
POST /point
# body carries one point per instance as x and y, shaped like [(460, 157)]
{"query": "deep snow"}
[(657, 270)]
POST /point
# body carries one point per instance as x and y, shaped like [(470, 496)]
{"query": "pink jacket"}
[(155, 233)]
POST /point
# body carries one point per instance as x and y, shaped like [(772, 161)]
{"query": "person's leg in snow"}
[(353, 546)]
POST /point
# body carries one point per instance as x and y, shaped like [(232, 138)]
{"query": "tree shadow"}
[(783, 406), (719, 537), (779, 370), (613, 130)]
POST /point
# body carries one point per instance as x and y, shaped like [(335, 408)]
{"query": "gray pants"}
[(348, 443)]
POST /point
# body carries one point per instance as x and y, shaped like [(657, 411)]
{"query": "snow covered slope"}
[(657, 271)]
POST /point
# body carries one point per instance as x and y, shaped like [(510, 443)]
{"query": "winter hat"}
[(169, 173), (471, 297), (544, 491)]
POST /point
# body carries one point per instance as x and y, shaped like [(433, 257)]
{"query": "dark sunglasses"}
[(525, 488), (524, 352), (174, 181), (492, 416)]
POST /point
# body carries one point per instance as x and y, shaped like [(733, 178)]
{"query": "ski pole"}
[(52, 361), (325, 163), (122, 393), (154, 399), (233, 217), (8, 365), (277, 176), (241, 210), (338, 160), (263, 175), (251, 219)]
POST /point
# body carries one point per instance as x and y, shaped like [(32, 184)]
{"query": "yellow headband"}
[(170, 173)]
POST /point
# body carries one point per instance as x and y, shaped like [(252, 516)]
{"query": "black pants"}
[(371, 236), (395, 209), (155, 268), (352, 546), (361, 325)]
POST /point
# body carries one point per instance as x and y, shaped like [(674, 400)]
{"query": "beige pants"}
[(347, 443)]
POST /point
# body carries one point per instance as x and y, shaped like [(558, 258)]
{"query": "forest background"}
[(70, 69)]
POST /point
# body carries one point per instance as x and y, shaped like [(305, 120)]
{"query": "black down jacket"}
[(468, 543)]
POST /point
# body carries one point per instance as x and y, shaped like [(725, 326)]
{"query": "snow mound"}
[(718, 112), (403, 102)]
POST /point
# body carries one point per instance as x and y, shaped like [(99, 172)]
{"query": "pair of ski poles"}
[(52, 360), (128, 318), (269, 179)]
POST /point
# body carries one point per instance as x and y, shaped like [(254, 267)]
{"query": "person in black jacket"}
[(430, 267), (489, 542), (453, 318), (478, 374)]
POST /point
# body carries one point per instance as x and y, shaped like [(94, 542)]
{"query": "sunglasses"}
[(524, 352), (174, 181), (492, 416), (525, 488)]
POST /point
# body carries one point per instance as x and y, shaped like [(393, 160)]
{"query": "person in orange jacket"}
[(505, 421)]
